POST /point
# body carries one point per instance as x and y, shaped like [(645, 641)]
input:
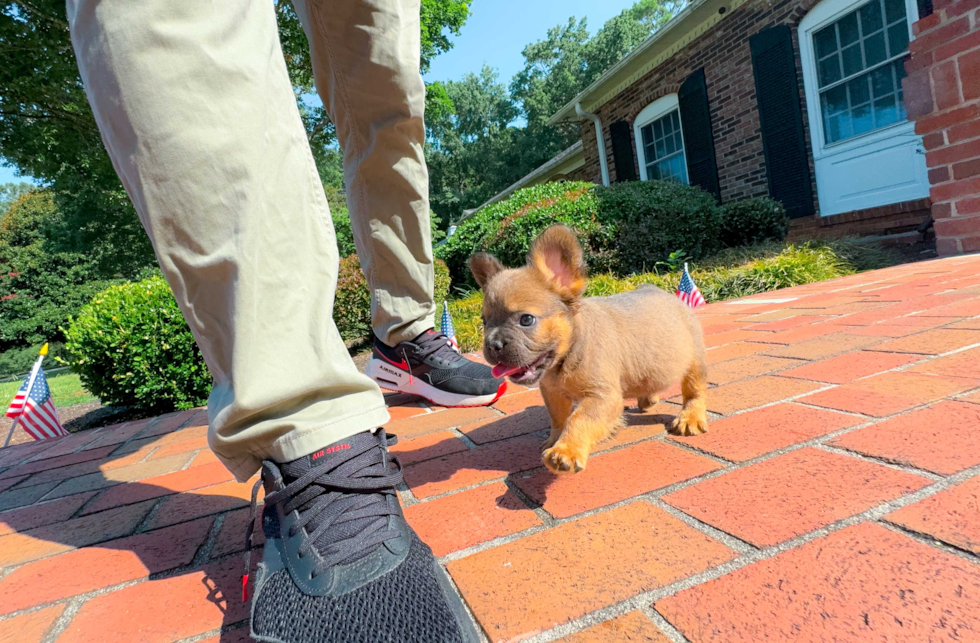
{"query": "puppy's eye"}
[(528, 320)]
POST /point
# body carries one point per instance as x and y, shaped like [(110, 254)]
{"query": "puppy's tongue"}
[(503, 370)]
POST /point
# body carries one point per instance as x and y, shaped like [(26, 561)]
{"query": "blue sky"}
[(495, 34)]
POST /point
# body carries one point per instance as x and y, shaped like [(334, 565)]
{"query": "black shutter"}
[(778, 94), (622, 146), (699, 144), (925, 8)]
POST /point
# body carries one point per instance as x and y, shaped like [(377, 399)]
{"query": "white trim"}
[(657, 109), (831, 159)]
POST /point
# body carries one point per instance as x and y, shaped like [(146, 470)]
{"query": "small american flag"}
[(688, 292), (447, 326), (36, 413)]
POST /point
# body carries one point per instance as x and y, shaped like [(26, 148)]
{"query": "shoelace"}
[(337, 492), (436, 344)]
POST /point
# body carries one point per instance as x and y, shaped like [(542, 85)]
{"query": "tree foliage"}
[(47, 129), (475, 153), (39, 287)]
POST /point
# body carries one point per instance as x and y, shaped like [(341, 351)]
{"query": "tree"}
[(477, 147), (47, 129), (568, 60), (10, 192), (471, 150), (39, 288)]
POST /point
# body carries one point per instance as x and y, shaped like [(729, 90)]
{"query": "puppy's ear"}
[(484, 266), (557, 256)]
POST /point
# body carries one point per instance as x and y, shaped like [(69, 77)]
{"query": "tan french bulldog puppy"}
[(588, 353)]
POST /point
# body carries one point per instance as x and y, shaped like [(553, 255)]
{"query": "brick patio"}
[(836, 496)]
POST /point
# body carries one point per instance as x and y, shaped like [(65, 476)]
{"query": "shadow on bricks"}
[(503, 448), (143, 511)]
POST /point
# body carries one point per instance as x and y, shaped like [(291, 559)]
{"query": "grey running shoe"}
[(340, 563)]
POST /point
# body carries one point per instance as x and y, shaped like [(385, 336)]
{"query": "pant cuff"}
[(291, 446)]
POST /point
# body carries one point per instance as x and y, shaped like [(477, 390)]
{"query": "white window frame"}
[(657, 109), (898, 134)]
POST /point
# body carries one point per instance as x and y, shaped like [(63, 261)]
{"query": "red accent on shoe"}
[(402, 364)]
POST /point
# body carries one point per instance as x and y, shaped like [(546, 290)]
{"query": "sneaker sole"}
[(394, 379)]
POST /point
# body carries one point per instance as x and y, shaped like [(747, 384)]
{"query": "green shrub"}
[(507, 228), (652, 219), (731, 273), (352, 304), (753, 221), (17, 361), (132, 347)]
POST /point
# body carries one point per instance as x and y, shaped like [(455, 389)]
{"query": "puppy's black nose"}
[(495, 344)]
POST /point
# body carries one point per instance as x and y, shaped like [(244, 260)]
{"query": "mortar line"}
[(880, 461), (636, 602)]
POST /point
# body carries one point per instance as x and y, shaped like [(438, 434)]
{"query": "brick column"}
[(942, 93)]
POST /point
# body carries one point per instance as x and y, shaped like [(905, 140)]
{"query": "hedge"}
[(625, 228), (352, 305), (131, 346)]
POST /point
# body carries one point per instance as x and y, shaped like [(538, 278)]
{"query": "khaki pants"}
[(197, 112)]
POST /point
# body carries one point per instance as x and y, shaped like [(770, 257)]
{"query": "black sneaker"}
[(340, 563), (429, 366)]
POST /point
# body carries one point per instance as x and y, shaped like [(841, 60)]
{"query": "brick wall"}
[(724, 53), (943, 95)]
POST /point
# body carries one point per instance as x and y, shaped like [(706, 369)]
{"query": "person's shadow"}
[(71, 524), (148, 500)]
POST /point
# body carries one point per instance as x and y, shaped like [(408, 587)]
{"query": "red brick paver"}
[(952, 516), (792, 494), (836, 496), (863, 583), (579, 567)]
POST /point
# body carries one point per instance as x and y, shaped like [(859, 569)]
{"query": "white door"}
[(865, 149)]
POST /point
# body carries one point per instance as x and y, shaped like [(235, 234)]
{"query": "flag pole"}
[(27, 394)]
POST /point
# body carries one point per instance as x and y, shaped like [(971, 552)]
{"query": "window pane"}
[(852, 60), (847, 29), (669, 147), (898, 39), (835, 100), (874, 49), (664, 148), (894, 10), (882, 81), (858, 89), (871, 17), (861, 121), (886, 112), (829, 69), (825, 41)]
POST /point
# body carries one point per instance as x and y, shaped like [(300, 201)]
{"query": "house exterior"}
[(860, 116)]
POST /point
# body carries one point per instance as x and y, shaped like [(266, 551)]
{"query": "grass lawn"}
[(66, 389)]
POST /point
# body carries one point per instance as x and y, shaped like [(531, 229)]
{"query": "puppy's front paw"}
[(689, 422), (562, 458)]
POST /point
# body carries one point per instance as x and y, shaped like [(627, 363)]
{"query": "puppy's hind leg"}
[(647, 401), (693, 418)]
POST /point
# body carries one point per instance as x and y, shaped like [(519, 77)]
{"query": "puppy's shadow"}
[(508, 448)]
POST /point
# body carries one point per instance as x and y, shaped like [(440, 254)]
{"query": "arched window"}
[(660, 142)]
